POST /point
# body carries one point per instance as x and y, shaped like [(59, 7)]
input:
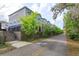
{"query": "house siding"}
[(16, 16)]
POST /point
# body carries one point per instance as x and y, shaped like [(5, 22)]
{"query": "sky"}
[(9, 6)]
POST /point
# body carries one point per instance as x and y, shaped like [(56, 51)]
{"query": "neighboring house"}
[(3, 25)]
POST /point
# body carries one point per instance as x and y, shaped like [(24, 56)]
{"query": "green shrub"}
[(56, 30), (71, 27), (74, 36)]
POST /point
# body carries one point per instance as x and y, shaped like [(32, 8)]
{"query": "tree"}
[(29, 24), (71, 18), (71, 7)]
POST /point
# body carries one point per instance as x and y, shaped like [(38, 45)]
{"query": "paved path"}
[(54, 46), (19, 44)]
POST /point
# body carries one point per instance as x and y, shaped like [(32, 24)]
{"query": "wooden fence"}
[(10, 35)]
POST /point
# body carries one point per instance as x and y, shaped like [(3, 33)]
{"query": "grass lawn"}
[(5, 48), (73, 48)]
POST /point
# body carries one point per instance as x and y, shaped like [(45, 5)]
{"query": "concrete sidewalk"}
[(19, 44)]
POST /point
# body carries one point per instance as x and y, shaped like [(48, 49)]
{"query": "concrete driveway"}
[(54, 46)]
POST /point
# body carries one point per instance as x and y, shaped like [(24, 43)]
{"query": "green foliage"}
[(71, 27), (33, 28), (60, 7), (57, 30), (71, 19), (29, 25)]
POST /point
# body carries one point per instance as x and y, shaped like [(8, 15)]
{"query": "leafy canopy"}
[(73, 8), (29, 24)]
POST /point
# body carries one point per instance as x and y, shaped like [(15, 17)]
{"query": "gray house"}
[(12, 28), (14, 18)]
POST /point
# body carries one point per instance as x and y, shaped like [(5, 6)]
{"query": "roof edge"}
[(19, 10)]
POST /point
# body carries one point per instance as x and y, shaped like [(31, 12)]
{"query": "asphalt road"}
[(54, 46)]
